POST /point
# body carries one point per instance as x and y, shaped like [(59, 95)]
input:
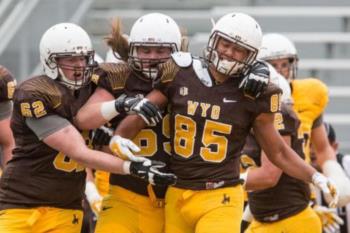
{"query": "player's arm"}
[(131, 126), (100, 108), (96, 113), (59, 134), (65, 138), (92, 109), (279, 153), (265, 176), (326, 158), (7, 141), (320, 143)]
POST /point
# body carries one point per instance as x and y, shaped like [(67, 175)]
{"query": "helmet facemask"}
[(83, 74), (292, 67), (230, 67), (149, 67)]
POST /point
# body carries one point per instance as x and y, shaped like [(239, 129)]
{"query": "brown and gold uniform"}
[(309, 107), (41, 188), (209, 124), (132, 204), (284, 207), (7, 88)]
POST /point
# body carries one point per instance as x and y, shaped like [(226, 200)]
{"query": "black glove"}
[(148, 170), (140, 106), (254, 84), (101, 136)]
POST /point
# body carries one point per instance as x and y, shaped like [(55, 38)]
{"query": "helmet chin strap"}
[(151, 73), (228, 67), (67, 82)]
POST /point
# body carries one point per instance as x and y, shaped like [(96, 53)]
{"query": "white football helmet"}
[(276, 46), (153, 29), (242, 30), (66, 40), (282, 83)]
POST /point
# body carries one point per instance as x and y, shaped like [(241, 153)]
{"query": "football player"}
[(42, 186), (149, 46), (7, 88), (210, 118), (278, 202), (153, 37), (310, 98)]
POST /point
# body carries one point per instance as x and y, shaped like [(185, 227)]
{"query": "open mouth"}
[(78, 75)]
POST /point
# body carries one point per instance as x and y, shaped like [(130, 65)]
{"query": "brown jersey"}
[(7, 84), (209, 124), (38, 175), (290, 195), (153, 141)]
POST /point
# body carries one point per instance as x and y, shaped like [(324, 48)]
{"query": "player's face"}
[(282, 66), (230, 51), (153, 53), (73, 67)]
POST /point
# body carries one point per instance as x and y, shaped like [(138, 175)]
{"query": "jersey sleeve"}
[(46, 126), (270, 101), (37, 98), (111, 77), (168, 71), (7, 84), (286, 121)]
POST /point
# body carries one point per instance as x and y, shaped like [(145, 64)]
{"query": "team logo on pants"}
[(226, 199), (75, 219)]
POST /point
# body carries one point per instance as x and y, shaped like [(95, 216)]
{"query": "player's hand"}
[(93, 197), (328, 188), (125, 149), (331, 222), (102, 136), (254, 84), (148, 170), (140, 106)]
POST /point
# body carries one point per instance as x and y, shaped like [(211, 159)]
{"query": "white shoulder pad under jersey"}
[(182, 59), (202, 72)]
